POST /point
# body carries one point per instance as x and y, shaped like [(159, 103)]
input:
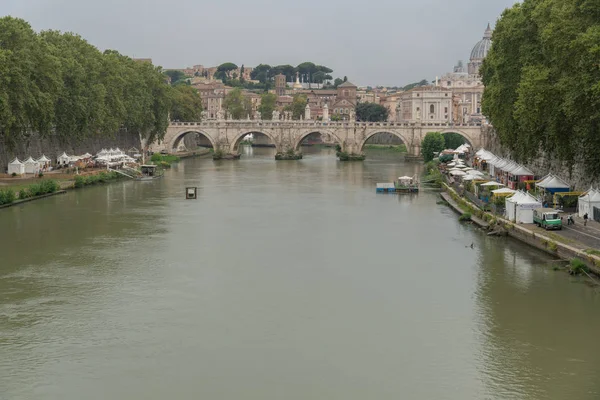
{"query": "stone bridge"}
[(226, 135)]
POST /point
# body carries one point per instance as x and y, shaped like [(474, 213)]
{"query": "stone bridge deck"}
[(226, 135)]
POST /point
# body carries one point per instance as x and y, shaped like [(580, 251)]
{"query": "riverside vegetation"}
[(58, 85), (47, 186)]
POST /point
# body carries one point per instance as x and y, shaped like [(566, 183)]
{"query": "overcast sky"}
[(376, 42)]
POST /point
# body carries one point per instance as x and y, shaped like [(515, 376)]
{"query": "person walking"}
[(585, 218)]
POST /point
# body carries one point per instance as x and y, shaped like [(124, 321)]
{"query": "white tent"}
[(520, 170), (553, 183), (458, 173), (519, 208), (63, 159), (587, 202), (44, 161), (31, 166), (16, 167)]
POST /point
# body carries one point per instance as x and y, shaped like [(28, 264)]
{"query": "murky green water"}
[(283, 280)]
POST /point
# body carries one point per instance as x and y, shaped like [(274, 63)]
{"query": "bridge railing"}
[(325, 124)]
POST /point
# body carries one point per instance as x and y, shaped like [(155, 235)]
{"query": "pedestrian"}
[(585, 218)]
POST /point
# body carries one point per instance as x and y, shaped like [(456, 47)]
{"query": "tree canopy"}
[(422, 82), (433, 142), (187, 104), (298, 106), (237, 104), (55, 83), (453, 140), (267, 105), (371, 112), (542, 79)]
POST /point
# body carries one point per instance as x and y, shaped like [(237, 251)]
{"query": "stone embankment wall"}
[(575, 175), (35, 146)]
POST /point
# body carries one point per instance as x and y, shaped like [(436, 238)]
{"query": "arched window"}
[(432, 109)]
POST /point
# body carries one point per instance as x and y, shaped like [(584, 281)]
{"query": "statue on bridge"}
[(275, 116), (220, 115)]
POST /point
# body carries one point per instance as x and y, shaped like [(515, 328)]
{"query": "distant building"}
[(425, 104), (345, 101), (280, 85)]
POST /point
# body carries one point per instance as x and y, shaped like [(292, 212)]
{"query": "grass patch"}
[(593, 252), (160, 159), (38, 189), (7, 196)]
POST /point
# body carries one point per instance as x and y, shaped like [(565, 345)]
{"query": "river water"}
[(283, 280)]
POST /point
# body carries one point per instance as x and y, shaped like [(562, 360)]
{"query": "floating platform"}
[(396, 188)]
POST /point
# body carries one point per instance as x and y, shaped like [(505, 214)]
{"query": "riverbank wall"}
[(543, 165), (540, 241), (52, 146)]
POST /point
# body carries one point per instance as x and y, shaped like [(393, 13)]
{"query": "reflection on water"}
[(282, 280)]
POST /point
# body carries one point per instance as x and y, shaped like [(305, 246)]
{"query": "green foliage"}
[(432, 143), (446, 158), (593, 251), (542, 81), (344, 156), (298, 105), (38, 189), (465, 217), (423, 82), (225, 71), (453, 140), (176, 76), (237, 104), (576, 266), (267, 105), (371, 112), (160, 159), (7, 196), (57, 83), (102, 177), (262, 73), (186, 104)]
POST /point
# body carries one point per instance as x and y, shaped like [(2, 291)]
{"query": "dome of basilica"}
[(482, 47)]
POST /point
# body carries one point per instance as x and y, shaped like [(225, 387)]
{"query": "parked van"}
[(547, 218)]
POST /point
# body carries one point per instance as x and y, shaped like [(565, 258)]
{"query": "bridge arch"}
[(237, 139), (309, 132), (390, 132), (178, 137), (469, 138)]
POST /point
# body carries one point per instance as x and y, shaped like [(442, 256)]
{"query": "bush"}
[(13, 174), (7, 196), (576, 266), (465, 217), (552, 246), (41, 175)]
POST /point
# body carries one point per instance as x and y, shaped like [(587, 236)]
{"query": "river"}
[(283, 280)]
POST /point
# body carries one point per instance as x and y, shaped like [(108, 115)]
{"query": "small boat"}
[(149, 172), (404, 184), (407, 184)]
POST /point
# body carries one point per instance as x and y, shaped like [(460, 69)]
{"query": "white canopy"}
[(86, 155), (16, 167), (43, 159), (31, 166), (588, 201), (520, 170), (503, 190), (492, 183), (519, 208), (458, 173), (403, 178), (475, 172), (553, 182)]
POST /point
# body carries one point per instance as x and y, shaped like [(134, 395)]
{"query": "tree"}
[(224, 71), (267, 105), (176, 76), (58, 84), (237, 104), (453, 140), (337, 82), (371, 112), (287, 70), (433, 142), (541, 76), (262, 73), (410, 86), (298, 106), (186, 104)]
